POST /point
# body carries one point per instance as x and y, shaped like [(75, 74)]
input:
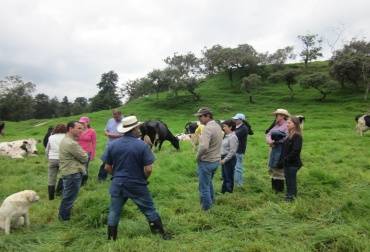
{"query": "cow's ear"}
[(25, 142)]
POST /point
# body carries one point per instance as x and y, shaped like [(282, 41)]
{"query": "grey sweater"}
[(210, 143), (229, 146)]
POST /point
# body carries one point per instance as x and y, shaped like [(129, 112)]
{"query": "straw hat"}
[(281, 111), (127, 124)]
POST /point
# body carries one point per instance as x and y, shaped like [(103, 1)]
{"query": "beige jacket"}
[(210, 143), (71, 157)]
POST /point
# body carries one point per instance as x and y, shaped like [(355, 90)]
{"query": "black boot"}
[(280, 185), (84, 179), (59, 188), (112, 232), (277, 185), (51, 192), (156, 227)]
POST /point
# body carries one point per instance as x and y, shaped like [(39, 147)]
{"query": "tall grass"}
[(331, 213)]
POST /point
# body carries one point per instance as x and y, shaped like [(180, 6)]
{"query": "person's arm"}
[(296, 148), (148, 170), (148, 160), (204, 142), (47, 150), (93, 144), (108, 168), (78, 153)]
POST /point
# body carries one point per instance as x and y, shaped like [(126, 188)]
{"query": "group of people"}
[(130, 161)]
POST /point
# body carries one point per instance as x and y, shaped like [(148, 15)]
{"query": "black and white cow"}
[(19, 148), (158, 132), (363, 123)]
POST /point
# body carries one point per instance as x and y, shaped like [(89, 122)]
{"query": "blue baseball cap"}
[(239, 116)]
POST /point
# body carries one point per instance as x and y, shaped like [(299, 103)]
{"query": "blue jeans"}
[(144, 203), (71, 187), (228, 175), (239, 170), (291, 181), (206, 171)]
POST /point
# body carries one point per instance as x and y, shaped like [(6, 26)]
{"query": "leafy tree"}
[(320, 82), (280, 56), (250, 83), (16, 101), (183, 72), (107, 96), (79, 106), (160, 80), (288, 76), (55, 105), (42, 106), (311, 47), (351, 64), (137, 88), (65, 107)]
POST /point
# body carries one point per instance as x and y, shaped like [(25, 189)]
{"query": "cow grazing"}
[(158, 132), (2, 126), (19, 148), (363, 123), (47, 135)]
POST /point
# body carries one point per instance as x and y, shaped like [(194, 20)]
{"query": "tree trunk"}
[(195, 95), (365, 82), (291, 91), (324, 94), (230, 74), (251, 99)]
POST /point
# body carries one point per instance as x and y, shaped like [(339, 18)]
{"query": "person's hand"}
[(222, 162)]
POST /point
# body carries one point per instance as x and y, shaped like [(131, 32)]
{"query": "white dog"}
[(14, 209)]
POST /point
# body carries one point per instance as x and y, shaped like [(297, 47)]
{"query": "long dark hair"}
[(297, 127)]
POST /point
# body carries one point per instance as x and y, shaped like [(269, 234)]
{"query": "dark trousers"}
[(144, 202), (290, 174), (102, 175), (228, 175), (71, 187)]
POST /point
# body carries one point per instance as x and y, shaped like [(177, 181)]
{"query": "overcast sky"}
[(65, 46)]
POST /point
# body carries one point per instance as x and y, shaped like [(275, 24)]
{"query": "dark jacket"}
[(242, 134), (291, 155)]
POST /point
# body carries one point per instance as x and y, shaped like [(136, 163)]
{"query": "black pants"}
[(228, 175), (102, 175), (290, 174)]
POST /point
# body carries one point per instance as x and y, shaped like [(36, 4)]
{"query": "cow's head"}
[(30, 146)]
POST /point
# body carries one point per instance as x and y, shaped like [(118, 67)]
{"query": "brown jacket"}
[(210, 143)]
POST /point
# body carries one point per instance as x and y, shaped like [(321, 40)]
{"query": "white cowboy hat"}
[(127, 124), (281, 111)]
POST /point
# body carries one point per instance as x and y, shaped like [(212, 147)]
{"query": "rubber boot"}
[(156, 227), (280, 185), (84, 179), (59, 188), (112, 232), (51, 192)]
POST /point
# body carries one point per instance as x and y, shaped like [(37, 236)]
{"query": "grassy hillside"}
[(332, 212)]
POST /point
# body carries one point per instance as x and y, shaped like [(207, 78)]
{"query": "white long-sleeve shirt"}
[(52, 149)]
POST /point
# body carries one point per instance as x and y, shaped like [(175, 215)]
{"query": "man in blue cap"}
[(242, 132)]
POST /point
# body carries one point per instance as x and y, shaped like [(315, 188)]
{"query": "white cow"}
[(19, 148)]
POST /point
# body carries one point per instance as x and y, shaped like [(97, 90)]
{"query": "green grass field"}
[(331, 213)]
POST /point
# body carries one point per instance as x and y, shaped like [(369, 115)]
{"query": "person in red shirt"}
[(87, 140)]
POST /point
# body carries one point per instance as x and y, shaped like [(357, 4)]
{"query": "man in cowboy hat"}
[(208, 156), (130, 161)]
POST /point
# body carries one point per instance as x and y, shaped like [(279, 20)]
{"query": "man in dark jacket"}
[(241, 132)]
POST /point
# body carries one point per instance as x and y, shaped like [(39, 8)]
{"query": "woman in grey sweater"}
[(228, 155)]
